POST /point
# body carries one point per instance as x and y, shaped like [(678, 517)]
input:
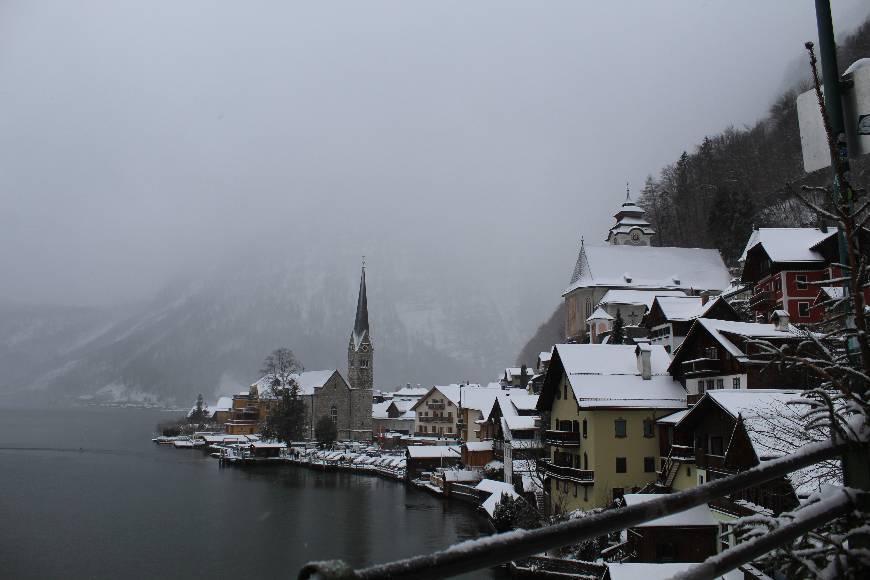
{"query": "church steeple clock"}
[(631, 227)]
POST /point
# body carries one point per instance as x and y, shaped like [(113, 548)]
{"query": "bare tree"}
[(279, 367)]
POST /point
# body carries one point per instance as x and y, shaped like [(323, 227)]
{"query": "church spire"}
[(361, 324), (627, 192)]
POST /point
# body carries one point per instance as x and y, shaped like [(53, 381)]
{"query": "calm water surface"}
[(85, 494)]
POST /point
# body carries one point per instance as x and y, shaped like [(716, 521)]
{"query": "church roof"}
[(648, 267), (361, 323)]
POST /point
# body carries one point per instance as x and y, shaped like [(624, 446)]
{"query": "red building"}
[(785, 266)]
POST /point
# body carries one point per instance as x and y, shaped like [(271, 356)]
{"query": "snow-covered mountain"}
[(210, 332)]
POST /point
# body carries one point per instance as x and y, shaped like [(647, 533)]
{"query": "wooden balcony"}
[(762, 300), (435, 405), (562, 438), (701, 366), (566, 472)]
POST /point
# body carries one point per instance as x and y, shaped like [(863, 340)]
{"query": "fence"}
[(502, 548)]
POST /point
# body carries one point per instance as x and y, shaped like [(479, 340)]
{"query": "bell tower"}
[(631, 227), (360, 350)]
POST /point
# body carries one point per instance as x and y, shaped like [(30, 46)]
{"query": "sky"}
[(140, 139)]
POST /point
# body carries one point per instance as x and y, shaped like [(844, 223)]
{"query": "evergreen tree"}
[(200, 412), (325, 431), (617, 334), (286, 419)]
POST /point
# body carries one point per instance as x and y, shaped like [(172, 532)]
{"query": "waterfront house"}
[(426, 458), (598, 406)]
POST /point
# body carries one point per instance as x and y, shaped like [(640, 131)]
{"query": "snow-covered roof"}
[(637, 297), (433, 451), (831, 292), (493, 500), (223, 404), (721, 329), (379, 410), (684, 308), (479, 446), (697, 516), (647, 570), (412, 392), (608, 376), (788, 244), (673, 418), (599, 314), (403, 405), (523, 401), (493, 486), (268, 445), (520, 422), (544, 356), (307, 381), (649, 267)]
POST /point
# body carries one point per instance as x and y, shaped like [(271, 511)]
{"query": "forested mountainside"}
[(713, 196)]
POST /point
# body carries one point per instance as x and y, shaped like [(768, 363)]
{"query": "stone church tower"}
[(360, 351), (631, 228)]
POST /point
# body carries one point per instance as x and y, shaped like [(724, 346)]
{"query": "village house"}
[(221, 412), (630, 305), (720, 354), (517, 439), (785, 267), (599, 405), (629, 262), (393, 416), (516, 377), (687, 536), (730, 431), (670, 317), (426, 458), (437, 412)]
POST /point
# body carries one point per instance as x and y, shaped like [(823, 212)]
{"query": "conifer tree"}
[(617, 334)]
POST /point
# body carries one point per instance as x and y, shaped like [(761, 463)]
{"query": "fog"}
[(138, 139)]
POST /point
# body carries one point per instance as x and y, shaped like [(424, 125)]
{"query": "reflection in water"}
[(124, 507)]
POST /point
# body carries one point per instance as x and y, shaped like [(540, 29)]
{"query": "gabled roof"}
[(637, 297), (307, 381), (608, 376), (646, 267), (434, 451), (788, 244), (411, 392), (599, 314), (726, 331), (223, 404), (379, 410), (696, 516)]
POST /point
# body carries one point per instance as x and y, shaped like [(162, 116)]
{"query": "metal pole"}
[(856, 467)]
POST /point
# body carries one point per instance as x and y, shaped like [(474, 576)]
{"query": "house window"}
[(565, 391), (710, 385), (711, 352), (701, 387), (558, 393), (735, 383), (449, 430), (649, 464), (585, 431), (720, 383), (585, 493), (588, 307), (666, 552), (688, 471), (364, 363), (803, 309), (619, 428), (700, 479), (716, 446), (333, 414), (648, 428), (621, 465), (801, 282), (585, 461), (575, 490), (565, 487)]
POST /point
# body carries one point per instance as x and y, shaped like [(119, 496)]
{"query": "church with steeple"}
[(625, 272), (360, 351)]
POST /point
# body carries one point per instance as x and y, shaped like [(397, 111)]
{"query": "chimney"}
[(705, 297), (644, 361), (780, 320)]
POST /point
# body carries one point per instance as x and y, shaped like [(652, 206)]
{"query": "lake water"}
[(85, 494)]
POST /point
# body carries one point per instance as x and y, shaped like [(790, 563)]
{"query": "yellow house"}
[(599, 405)]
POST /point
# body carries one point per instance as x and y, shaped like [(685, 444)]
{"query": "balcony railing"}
[(435, 405), (761, 300), (435, 419), (490, 551), (567, 472), (701, 366), (706, 460), (562, 438)]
